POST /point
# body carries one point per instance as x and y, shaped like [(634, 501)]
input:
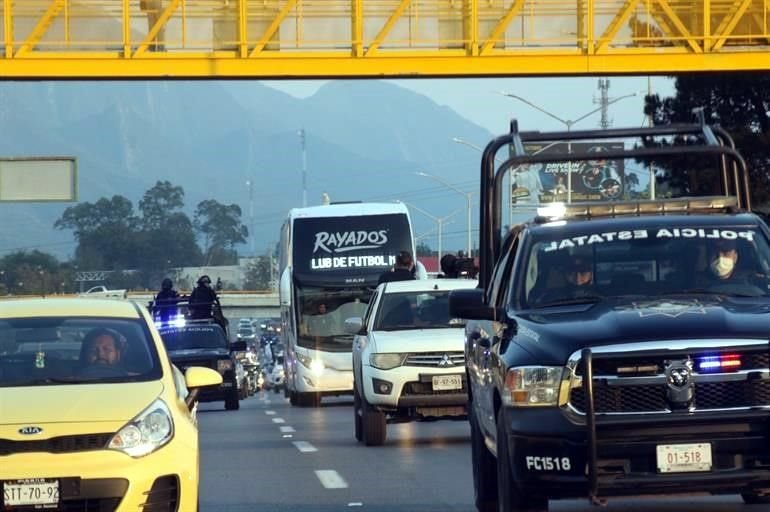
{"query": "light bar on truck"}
[(684, 205), (720, 363)]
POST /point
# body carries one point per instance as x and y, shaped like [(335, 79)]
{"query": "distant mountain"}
[(365, 140)]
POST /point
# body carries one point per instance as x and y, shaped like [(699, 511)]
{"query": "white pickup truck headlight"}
[(146, 433), (386, 361), (533, 386)]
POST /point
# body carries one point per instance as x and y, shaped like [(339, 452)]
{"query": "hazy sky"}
[(480, 101)]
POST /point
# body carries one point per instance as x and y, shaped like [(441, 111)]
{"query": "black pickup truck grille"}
[(614, 394)]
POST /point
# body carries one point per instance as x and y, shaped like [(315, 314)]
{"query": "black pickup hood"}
[(552, 334)]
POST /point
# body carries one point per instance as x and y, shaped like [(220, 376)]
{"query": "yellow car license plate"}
[(36, 491)]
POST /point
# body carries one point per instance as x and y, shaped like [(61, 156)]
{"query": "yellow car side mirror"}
[(199, 377)]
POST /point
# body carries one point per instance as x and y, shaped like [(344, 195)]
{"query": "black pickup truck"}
[(622, 347), (203, 342)]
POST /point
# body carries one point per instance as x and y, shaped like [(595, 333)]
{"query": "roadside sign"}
[(39, 179)]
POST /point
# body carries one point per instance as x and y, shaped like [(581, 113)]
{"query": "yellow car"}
[(93, 416)]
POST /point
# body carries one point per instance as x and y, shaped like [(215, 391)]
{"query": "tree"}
[(258, 274), (423, 249), (160, 204), (106, 233), (221, 228), (34, 273), (167, 235), (739, 102)]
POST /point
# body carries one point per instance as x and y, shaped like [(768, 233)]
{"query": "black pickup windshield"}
[(194, 336), (573, 266)]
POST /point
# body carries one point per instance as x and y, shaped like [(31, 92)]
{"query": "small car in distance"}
[(408, 361), (94, 415)]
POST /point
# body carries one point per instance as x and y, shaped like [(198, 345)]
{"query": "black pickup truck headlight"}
[(533, 386), (223, 365)]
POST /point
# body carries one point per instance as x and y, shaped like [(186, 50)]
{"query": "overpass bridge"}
[(234, 305), (53, 39)]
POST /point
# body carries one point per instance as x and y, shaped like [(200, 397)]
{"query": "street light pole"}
[(250, 184), (568, 123), (301, 133), (440, 225), (467, 195)]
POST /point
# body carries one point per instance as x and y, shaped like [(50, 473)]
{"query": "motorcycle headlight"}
[(146, 433), (386, 361), (223, 365), (533, 386)]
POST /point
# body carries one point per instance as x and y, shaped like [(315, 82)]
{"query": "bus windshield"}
[(322, 314)]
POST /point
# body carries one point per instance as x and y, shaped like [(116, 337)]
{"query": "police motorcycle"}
[(276, 377), (251, 365)]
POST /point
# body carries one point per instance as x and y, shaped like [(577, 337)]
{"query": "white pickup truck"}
[(101, 292)]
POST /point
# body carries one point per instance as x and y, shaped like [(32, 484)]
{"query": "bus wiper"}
[(588, 299)]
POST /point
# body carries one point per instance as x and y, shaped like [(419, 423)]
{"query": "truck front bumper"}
[(550, 454)]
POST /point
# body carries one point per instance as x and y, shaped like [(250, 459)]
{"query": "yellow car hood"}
[(76, 403)]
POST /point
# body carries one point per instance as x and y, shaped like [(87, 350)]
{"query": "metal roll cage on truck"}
[(620, 347)]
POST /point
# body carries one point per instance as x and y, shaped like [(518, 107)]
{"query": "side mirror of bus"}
[(354, 325), (469, 304)]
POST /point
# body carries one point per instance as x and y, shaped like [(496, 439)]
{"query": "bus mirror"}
[(354, 325), (285, 287)]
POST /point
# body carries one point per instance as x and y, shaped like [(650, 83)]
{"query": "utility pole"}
[(304, 167), (604, 102)]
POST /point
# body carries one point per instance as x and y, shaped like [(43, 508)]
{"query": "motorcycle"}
[(276, 378), (252, 367)]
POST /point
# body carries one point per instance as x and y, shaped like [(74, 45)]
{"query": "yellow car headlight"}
[(146, 433)]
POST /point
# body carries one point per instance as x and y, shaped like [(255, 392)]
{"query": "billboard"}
[(38, 179), (597, 179)]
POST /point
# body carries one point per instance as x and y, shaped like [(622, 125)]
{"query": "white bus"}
[(330, 259)]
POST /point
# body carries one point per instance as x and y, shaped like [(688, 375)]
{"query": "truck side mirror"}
[(469, 304)]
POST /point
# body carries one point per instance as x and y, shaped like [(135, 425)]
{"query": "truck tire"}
[(232, 403), (308, 399), (754, 498), (509, 496), (484, 468), (374, 426), (357, 412)]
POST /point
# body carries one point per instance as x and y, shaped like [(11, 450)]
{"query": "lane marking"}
[(278, 420), (330, 479), (304, 446), (287, 429), (287, 436), (355, 504), (270, 413)]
